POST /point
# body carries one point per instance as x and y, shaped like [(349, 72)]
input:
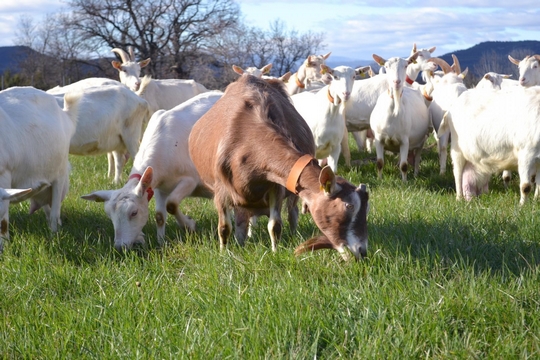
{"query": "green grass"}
[(443, 279)]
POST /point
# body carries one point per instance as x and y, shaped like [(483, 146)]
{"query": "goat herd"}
[(264, 141)]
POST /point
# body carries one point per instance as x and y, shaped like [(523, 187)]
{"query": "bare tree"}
[(172, 33), (250, 46)]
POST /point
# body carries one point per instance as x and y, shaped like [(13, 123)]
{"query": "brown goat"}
[(251, 146)]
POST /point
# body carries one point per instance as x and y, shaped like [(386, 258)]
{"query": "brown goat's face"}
[(340, 211)]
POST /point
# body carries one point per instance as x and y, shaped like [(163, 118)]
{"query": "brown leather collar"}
[(299, 83), (295, 172)]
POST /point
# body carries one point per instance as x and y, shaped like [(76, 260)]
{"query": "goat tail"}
[(71, 106)]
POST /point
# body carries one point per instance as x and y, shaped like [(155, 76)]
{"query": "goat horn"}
[(131, 54), (456, 66), (123, 55), (446, 68)]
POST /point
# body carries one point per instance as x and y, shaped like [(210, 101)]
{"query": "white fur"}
[(164, 148), (110, 119), (529, 70), (325, 118), (400, 119), (483, 136), (34, 144)]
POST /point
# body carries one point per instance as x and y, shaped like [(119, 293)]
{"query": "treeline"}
[(185, 39)]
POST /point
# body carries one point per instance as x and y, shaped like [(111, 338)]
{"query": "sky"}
[(354, 30)]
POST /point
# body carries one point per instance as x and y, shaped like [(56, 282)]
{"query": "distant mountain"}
[(10, 56), (499, 50)]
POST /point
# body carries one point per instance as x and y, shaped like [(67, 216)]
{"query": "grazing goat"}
[(34, 145), (110, 119), (162, 166), (400, 118), (323, 111), (483, 136), (529, 70), (252, 145)]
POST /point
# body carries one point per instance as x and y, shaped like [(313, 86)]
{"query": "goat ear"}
[(285, 77), (413, 48), (326, 55), (238, 70), (117, 65), (379, 60), (327, 180), (266, 69), (316, 243), (326, 69), (144, 63), (464, 73), (431, 50), (98, 196), (14, 194), (412, 58)]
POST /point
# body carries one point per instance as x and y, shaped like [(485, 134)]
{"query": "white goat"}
[(323, 111), (60, 91), (366, 92), (160, 94), (484, 142), (492, 80), (129, 71), (446, 90), (308, 76), (265, 70), (34, 144), (400, 118), (529, 70), (110, 119), (162, 165)]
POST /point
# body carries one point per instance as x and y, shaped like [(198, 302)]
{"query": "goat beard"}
[(395, 94)]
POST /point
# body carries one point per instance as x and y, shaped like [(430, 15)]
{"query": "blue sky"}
[(357, 29)]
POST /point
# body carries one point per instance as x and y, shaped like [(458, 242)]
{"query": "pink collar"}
[(149, 191)]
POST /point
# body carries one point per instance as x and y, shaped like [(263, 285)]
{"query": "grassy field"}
[(443, 279)]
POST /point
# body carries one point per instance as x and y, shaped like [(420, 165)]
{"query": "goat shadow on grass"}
[(494, 248)]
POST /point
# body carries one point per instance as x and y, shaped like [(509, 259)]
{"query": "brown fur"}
[(244, 148)]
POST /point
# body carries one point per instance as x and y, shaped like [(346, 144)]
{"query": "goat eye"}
[(134, 213), (349, 206)]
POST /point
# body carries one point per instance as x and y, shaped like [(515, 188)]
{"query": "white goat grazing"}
[(400, 118), (110, 119), (162, 165), (323, 111), (308, 76), (483, 137), (529, 70), (446, 90), (34, 144)]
